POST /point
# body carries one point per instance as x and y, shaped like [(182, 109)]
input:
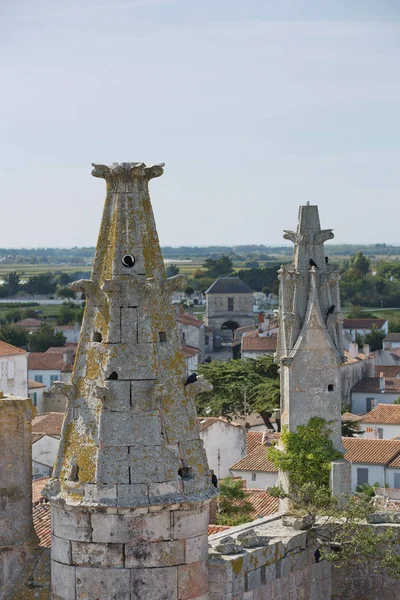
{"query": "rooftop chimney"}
[(353, 350), (68, 356), (381, 382), (365, 350)]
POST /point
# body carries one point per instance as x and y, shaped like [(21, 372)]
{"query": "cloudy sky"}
[(255, 106)]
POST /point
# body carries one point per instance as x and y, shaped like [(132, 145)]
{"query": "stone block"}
[(192, 580), (71, 524), (113, 465), (86, 554), (253, 580), (128, 528), (169, 492), (119, 396), (131, 429), (129, 325), (143, 395), (145, 331), (156, 463), (132, 495), (101, 494), (220, 576), (196, 548), (102, 584), (190, 523), (62, 581), (61, 550), (133, 361), (148, 584), (246, 596), (298, 523), (154, 554)]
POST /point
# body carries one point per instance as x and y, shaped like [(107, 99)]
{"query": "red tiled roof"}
[(263, 504), (372, 451), (33, 385), (37, 487), (36, 437), (383, 414), (41, 523), (395, 463), (217, 528), (254, 439), (388, 371), (392, 337), (363, 323), (41, 361), (188, 320), (257, 343), (350, 417), (29, 322), (372, 385), (9, 350), (189, 351), (255, 461), (61, 349), (49, 424)]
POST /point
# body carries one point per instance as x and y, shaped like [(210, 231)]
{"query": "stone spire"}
[(131, 484), (310, 346)]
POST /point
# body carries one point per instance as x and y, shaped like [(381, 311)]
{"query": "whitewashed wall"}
[(359, 401), (224, 444), (262, 482), (14, 375)]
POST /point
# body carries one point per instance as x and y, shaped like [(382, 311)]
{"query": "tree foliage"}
[(218, 267), (351, 428), (44, 338), (234, 509), (171, 270), (14, 335), (240, 387)]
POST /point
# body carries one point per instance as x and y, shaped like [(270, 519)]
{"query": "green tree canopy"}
[(234, 509), (218, 267), (42, 340), (172, 270), (360, 263), (240, 387), (12, 283), (14, 335)]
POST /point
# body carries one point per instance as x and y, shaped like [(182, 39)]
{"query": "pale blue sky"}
[(255, 107)]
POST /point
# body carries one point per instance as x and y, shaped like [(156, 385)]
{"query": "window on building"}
[(230, 304), (53, 378), (370, 404), (34, 398), (330, 387), (10, 369), (362, 476), (254, 476), (380, 433), (38, 378), (397, 481)]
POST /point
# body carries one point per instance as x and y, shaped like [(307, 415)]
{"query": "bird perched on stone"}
[(327, 259), (330, 310), (214, 480), (312, 263), (191, 379)]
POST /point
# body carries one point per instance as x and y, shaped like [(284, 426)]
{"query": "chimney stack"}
[(353, 350), (381, 382), (365, 350), (68, 356)]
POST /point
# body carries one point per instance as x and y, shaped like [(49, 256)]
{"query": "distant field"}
[(26, 269), (49, 313)]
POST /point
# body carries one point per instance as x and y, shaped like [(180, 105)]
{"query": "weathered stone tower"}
[(18, 539), (131, 487), (310, 348)]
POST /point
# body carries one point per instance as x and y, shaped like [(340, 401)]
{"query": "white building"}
[(48, 367), (255, 345), (13, 370), (224, 442), (191, 357), (256, 469), (373, 461), (35, 392), (383, 422), (70, 332), (192, 332), (371, 391), (46, 431), (391, 341), (361, 327)]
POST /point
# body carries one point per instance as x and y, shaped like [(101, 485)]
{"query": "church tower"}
[(131, 486), (310, 348)]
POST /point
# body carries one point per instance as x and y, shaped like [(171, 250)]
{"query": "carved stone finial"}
[(120, 175)]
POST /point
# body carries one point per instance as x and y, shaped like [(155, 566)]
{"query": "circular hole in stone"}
[(128, 261)]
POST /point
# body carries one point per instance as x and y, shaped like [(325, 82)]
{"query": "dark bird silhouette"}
[(214, 480), (191, 379), (326, 259), (312, 263), (317, 555), (330, 310)]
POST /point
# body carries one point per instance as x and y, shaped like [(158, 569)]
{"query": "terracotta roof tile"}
[(9, 350), (189, 320), (217, 529), (33, 385), (41, 523), (37, 487), (258, 343), (49, 424), (189, 351), (228, 285), (350, 417), (388, 371), (29, 322), (61, 349), (372, 385), (392, 337), (395, 463), (383, 414), (36, 437), (372, 451), (363, 323), (255, 461), (263, 504), (42, 361), (204, 422), (254, 439)]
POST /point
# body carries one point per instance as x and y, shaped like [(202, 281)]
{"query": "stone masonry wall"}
[(130, 554)]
